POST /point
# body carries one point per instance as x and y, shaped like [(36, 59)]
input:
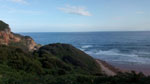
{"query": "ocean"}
[(131, 49)]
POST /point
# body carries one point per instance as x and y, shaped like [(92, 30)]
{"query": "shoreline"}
[(107, 68), (145, 69), (112, 69)]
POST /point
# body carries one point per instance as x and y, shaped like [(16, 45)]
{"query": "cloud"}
[(19, 1), (33, 12), (75, 10), (12, 10), (117, 18), (140, 12)]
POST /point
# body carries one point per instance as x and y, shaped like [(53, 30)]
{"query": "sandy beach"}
[(112, 70), (145, 69)]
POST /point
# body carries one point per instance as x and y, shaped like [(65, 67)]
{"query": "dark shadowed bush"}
[(3, 25)]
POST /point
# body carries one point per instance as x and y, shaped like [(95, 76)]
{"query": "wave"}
[(113, 52), (115, 55), (86, 46)]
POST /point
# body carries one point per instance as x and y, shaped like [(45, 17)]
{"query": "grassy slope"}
[(49, 61), (56, 64), (71, 56)]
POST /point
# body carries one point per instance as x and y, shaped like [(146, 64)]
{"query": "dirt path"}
[(105, 69)]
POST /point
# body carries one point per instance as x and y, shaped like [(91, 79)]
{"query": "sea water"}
[(122, 48)]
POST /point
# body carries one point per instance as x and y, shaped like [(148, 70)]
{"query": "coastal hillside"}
[(21, 61), (53, 64), (9, 38)]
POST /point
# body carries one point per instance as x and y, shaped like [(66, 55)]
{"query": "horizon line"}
[(82, 31)]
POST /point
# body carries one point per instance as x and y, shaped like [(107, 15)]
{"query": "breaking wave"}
[(86, 46), (115, 55)]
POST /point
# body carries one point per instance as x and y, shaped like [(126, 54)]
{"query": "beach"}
[(145, 69)]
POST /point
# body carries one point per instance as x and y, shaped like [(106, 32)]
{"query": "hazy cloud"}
[(140, 12), (11, 10), (75, 10), (19, 1), (33, 12)]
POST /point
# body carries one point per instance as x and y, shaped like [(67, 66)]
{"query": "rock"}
[(9, 38)]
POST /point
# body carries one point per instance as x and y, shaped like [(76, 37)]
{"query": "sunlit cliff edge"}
[(9, 38)]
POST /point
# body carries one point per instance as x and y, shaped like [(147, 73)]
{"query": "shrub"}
[(3, 25)]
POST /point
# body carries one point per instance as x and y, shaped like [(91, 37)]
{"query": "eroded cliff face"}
[(9, 38), (6, 37)]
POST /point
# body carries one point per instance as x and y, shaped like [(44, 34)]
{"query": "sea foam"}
[(114, 55)]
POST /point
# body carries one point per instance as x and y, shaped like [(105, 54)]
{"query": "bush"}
[(3, 25)]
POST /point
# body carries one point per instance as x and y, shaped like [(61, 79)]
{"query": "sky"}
[(76, 15)]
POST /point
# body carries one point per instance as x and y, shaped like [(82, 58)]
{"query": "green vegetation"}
[(57, 64), (70, 56), (50, 61), (3, 25)]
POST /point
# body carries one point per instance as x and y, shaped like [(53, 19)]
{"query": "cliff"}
[(9, 38)]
